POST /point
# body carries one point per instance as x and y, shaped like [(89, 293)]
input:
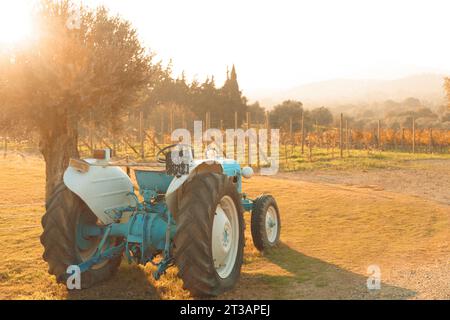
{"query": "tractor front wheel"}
[(209, 243), (265, 223), (64, 242)]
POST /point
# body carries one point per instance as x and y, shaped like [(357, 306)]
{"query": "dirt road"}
[(428, 179)]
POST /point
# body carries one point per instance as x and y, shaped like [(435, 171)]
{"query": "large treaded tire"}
[(258, 222), (59, 238), (193, 239)]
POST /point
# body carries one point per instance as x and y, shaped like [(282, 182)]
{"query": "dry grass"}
[(330, 235)]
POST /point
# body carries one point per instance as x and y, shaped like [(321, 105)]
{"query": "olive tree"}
[(78, 62)]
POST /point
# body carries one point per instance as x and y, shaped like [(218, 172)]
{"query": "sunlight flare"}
[(15, 21)]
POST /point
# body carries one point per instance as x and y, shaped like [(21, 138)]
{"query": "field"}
[(291, 159), (335, 223)]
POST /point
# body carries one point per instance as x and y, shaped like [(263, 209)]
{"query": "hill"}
[(426, 87)]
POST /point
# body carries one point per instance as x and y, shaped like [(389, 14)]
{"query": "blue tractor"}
[(189, 215)]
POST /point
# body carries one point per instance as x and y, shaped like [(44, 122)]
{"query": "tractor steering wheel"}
[(161, 156)]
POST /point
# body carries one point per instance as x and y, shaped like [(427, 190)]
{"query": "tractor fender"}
[(101, 188), (173, 194)]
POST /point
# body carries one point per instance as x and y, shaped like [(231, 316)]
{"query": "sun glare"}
[(15, 21)]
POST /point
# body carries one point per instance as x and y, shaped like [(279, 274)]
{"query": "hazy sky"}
[(280, 44)]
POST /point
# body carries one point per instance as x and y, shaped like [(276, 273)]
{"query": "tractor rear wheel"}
[(64, 243), (265, 223), (209, 243)]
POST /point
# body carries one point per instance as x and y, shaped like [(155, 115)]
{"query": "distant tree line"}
[(392, 114), (280, 116), (397, 114), (193, 100)]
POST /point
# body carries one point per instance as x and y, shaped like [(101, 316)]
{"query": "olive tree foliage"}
[(73, 66)]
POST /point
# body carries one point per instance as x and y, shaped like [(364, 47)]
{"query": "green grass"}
[(323, 159)]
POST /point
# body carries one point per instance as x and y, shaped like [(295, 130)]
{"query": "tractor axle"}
[(145, 235)]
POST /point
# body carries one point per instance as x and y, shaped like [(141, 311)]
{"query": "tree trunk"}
[(58, 146)]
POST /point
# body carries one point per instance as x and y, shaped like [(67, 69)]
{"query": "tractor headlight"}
[(247, 172)]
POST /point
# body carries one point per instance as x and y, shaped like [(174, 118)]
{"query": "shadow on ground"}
[(303, 277), (130, 282), (310, 278)]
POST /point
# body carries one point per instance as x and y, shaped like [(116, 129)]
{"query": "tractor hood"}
[(230, 167)]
